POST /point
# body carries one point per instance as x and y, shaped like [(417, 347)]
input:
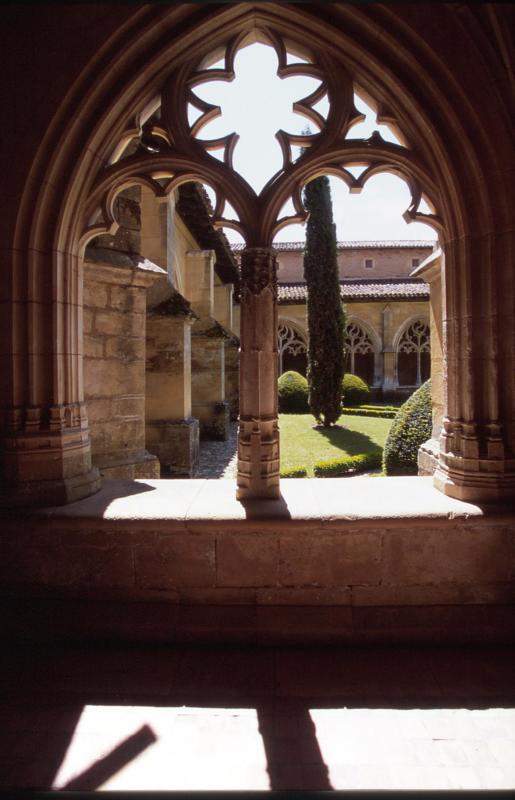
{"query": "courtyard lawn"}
[(303, 446)]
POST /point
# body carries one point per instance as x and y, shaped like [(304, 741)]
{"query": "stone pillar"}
[(171, 431), (114, 368), (223, 305), (431, 272), (209, 405), (45, 452), (389, 377), (199, 289), (389, 372), (258, 441), (476, 459), (232, 376)]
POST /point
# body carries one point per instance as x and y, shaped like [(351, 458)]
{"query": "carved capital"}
[(258, 270)]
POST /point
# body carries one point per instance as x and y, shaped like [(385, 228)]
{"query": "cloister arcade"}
[(109, 113), (364, 354)]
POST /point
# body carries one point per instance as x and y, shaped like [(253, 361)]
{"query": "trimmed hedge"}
[(411, 427), (294, 472), (381, 407), (355, 391), (293, 393), (385, 413), (335, 467)]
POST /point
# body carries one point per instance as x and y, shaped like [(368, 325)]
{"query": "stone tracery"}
[(289, 341), (415, 342), (170, 153)]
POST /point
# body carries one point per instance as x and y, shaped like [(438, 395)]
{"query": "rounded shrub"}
[(355, 391), (410, 428), (293, 393)]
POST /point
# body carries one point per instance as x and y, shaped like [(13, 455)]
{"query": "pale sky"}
[(256, 104)]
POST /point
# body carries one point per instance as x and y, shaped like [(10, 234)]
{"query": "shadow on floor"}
[(48, 688)]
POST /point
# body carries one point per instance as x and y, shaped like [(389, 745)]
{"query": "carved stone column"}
[(477, 442), (258, 441), (45, 454)]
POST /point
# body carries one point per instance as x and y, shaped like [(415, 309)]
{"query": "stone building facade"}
[(388, 335)]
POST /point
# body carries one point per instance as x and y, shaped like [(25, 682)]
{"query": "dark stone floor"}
[(203, 718)]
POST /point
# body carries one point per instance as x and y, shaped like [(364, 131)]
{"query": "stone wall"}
[(389, 262), (114, 368), (209, 404), (167, 560)]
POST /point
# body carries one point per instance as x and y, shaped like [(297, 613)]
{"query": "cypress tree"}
[(326, 319)]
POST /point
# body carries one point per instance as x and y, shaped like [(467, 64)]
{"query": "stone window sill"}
[(312, 503)]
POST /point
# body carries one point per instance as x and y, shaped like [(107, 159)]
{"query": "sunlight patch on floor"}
[(185, 748), (193, 748)]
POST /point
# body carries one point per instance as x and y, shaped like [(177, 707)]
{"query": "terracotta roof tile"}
[(352, 245), (393, 289)]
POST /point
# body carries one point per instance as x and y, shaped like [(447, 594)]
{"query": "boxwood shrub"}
[(411, 427), (335, 467), (294, 472), (355, 391), (293, 393)]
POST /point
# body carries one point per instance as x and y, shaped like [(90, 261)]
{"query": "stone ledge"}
[(345, 503)]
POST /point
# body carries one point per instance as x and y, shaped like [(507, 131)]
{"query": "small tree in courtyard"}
[(326, 318)]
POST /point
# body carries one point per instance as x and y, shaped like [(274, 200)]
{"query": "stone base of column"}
[(132, 466), (213, 420), (486, 485), (258, 459), (51, 465), (428, 457), (176, 445), (46, 493)]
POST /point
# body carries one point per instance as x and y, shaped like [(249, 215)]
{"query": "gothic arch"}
[(458, 145), (412, 351), (363, 350), (401, 330), (292, 340)]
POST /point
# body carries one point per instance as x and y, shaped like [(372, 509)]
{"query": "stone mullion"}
[(258, 440)]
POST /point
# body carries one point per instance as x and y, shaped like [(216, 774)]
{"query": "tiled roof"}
[(392, 289), (351, 245)]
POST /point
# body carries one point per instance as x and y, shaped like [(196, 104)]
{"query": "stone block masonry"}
[(114, 367), (184, 560)]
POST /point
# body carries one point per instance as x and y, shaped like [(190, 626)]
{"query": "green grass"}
[(302, 445)]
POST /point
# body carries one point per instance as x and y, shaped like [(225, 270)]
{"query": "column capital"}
[(259, 270)]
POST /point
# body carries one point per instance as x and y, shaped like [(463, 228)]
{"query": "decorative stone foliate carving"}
[(258, 441), (258, 271)]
